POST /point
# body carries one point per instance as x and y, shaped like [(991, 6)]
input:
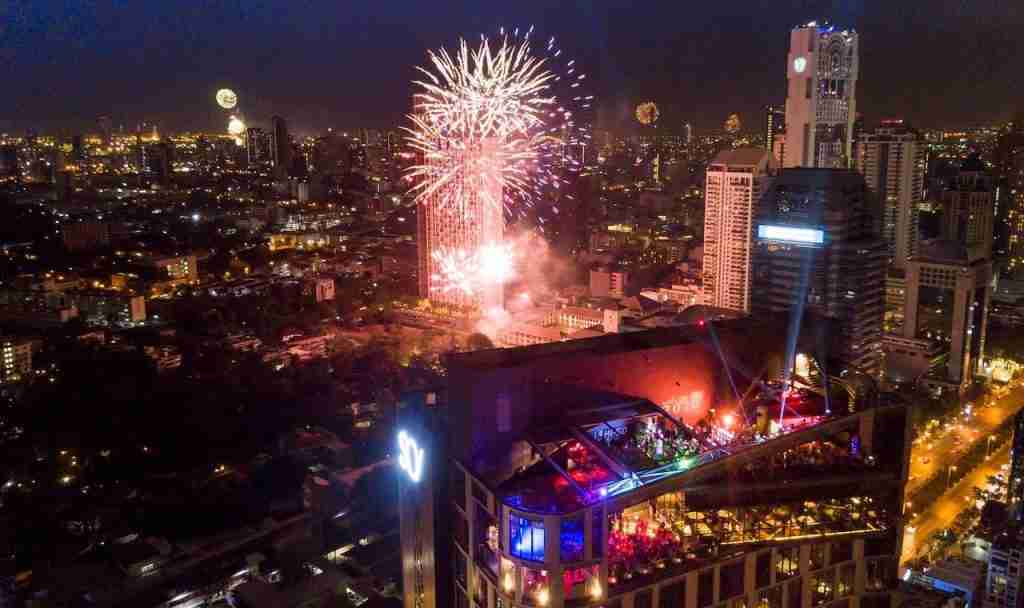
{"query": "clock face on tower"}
[(800, 64)]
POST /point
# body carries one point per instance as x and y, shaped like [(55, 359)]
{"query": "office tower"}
[(282, 144), (17, 359), (774, 125), (1009, 184), (948, 293), (160, 158), (106, 129), (460, 224), (614, 472), (77, 149), (1015, 492), (892, 161), (968, 207), (687, 133), (9, 162), (816, 253), (1004, 585), (821, 100), (257, 145), (735, 182)]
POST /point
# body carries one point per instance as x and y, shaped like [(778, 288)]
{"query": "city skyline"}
[(300, 62)]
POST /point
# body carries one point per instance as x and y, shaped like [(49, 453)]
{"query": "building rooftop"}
[(744, 157)]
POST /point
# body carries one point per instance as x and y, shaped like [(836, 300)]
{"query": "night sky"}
[(348, 63)]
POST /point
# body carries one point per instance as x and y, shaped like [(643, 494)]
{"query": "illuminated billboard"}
[(791, 234)]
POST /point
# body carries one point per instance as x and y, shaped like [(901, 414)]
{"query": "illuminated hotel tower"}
[(821, 99), (735, 181), (462, 223)]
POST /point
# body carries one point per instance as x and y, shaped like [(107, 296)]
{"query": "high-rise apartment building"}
[(892, 161), (15, 360), (948, 294), (609, 472), (816, 252), (821, 98), (968, 207), (1009, 183), (774, 125), (1015, 481), (460, 219), (257, 145), (281, 150), (1004, 585), (735, 182)]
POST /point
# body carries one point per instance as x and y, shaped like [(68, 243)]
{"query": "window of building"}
[(673, 595), (460, 568), (794, 593), (459, 487), (705, 588), (787, 563), (763, 569), (844, 585), (770, 598), (817, 559), (526, 538), (571, 539), (731, 580), (822, 590), (841, 551), (643, 599)]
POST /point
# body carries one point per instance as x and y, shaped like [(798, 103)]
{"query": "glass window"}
[(526, 538), (817, 560), (571, 539), (731, 580), (763, 569), (643, 599), (794, 593), (705, 588), (770, 598), (673, 595), (821, 588), (842, 551), (459, 487), (597, 533), (460, 568), (845, 585), (787, 563), (535, 587)]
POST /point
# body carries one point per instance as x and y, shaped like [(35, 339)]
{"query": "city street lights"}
[(949, 478)]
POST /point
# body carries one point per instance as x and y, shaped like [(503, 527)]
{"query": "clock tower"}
[(821, 96)]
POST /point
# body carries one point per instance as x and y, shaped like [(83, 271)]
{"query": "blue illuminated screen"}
[(527, 538)]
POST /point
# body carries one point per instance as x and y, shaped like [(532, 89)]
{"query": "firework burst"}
[(465, 272), (488, 120)]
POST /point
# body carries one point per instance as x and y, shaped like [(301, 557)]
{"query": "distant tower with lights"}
[(821, 99)]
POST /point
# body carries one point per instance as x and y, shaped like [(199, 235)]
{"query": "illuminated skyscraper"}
[(462, 223), (892, 161), (1009, 173), (257, 145), (774, 125), (281, 150), (821, 99), (816, 253), (968, 207), (736, 179)]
